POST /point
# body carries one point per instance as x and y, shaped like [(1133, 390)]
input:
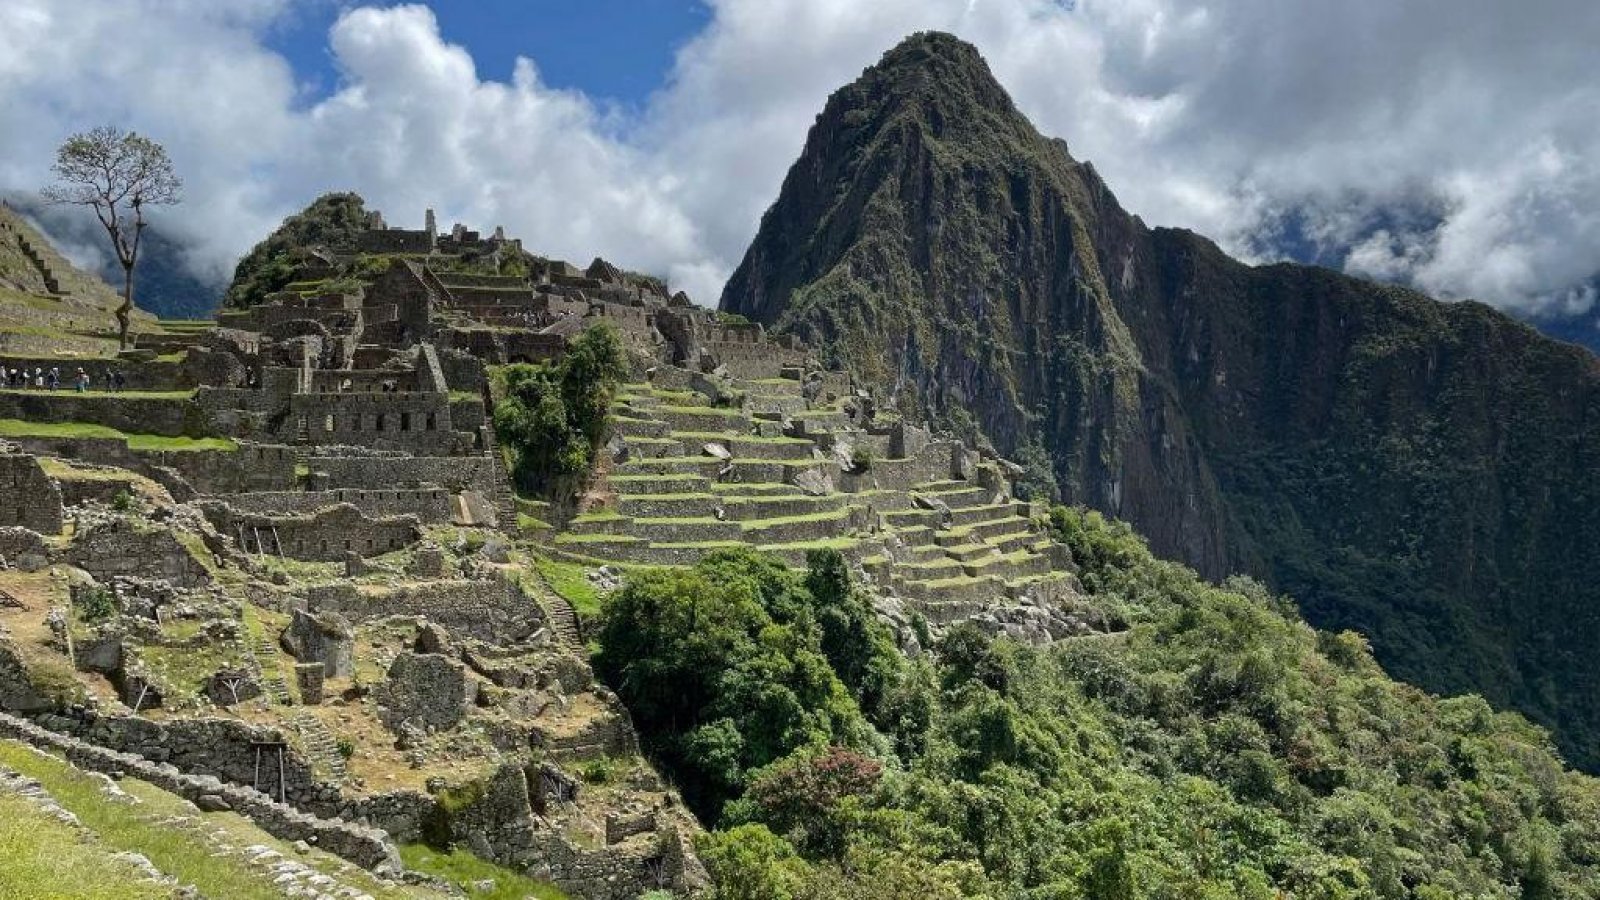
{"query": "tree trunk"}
[(125, 311)]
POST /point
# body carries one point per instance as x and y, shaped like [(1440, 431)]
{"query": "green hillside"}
[(1418, 471)]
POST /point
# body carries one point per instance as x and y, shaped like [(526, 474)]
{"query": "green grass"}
[(742, 439), (526, 522), (569, 538), (568, 580), (829, 516), (20, 429), (703, 411), (45, 859), (153, 828), (464, 870)]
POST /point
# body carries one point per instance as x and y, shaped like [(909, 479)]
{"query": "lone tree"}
[(116, 173)]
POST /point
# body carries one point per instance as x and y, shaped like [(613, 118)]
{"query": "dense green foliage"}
[(330, 220), (1219, 748), (738, 662), (1421, 472), (552, 416)]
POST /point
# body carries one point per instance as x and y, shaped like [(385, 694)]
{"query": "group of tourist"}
[(50, 379)]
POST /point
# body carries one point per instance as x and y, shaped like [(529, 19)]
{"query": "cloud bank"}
[(1453, 144)]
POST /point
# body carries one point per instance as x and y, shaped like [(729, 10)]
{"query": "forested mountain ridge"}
[(1418, 471)]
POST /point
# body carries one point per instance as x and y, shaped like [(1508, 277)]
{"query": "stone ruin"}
[(318, 557)]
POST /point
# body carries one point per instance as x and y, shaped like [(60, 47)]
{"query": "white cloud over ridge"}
[(1451, 143)]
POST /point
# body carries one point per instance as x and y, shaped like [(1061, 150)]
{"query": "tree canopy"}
[(1218, 748), (552, 416)]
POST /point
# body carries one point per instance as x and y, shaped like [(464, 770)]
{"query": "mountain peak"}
[(934, 65)]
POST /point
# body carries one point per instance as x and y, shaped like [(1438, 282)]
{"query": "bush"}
[(724, 669), (124, 501), (95, 604), (861, 457), (553, 417)]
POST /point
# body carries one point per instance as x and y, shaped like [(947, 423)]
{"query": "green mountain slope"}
[(1422, 472), (1218, 748)]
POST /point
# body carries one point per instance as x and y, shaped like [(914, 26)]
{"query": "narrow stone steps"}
[(319, 744), (266, 660)]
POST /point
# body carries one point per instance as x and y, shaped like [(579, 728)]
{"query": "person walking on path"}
[(82, 380), (55, 378)]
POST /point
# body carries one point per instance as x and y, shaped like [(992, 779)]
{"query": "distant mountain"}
[(164, 284), (1423, 472)]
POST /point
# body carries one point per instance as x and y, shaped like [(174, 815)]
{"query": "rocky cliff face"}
[(1422, 472)]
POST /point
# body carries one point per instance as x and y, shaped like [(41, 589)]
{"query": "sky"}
[(1450, 144)]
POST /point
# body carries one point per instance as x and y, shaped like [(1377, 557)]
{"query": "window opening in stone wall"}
[(432, 425), (380, 422), (405, 421)]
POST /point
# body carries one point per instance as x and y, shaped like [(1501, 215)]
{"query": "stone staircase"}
[(52, 285), (319, 745), (505, 504), (563, 620), (265, 655)]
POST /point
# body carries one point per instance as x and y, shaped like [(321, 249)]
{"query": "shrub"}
[(95, 604), (861, 457), (553, 417)]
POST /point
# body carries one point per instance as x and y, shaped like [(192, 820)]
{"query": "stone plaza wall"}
[(152, 375), (167, 416)]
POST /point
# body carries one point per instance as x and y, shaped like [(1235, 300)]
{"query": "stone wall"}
[(414, 422), (153, 375), (364, 846), (28, 497), (250, 467), (326, 535), (171, 417), (456, 473), (119, 547), (430, 505), (492, 609)]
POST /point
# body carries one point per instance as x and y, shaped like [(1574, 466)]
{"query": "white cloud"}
[(1452, 143)]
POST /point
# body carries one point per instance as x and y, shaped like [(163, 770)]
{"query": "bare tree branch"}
[(108, 169)]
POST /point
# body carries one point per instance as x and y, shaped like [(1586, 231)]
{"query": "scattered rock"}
[(212, 803)]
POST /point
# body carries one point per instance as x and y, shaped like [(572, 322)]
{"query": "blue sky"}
[(615, 51), (1450, 144)]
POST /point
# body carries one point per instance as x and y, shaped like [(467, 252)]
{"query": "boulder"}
[(433, 638), (813, 482), (325, 638)]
